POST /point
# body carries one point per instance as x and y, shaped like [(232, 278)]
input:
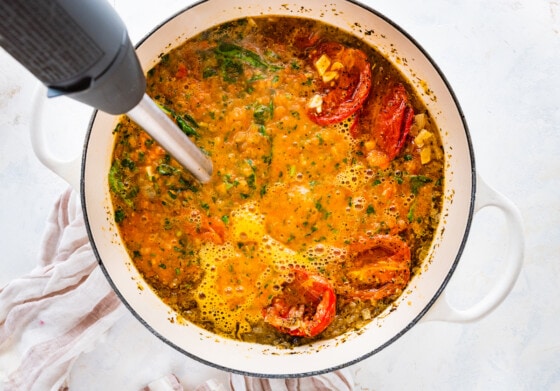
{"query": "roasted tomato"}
[(305, 307), (181, 71), (392, 116), (344, 80), (204, 228), (304, 39), (379, 268)]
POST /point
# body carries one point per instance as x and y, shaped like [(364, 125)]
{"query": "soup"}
[(326, 191)]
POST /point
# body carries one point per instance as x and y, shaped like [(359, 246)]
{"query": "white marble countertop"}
[(502, 59)]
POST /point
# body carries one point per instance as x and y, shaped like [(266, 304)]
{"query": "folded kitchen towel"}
[(64, 306), (58, 311)]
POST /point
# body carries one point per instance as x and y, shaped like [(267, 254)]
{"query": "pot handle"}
[(442, 310), (68, 170)]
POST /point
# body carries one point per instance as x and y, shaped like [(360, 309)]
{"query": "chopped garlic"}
[(366, 314), (316, 102), (336, 66), (426, 155), (329, 75), (422, 137), (322, 64), (149, 172), (420, 120), (327, 71)]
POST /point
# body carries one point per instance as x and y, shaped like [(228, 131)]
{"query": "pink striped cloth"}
[(58, 311)]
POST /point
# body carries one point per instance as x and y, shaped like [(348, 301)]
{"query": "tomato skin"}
[(306, 306), (346, 94), (204, 228), (181, 71), (305, 39), (393, 117), (380, 268)]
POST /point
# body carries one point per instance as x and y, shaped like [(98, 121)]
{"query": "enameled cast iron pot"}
[(465, 194)]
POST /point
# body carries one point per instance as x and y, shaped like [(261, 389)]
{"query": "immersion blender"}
[(81, 49)]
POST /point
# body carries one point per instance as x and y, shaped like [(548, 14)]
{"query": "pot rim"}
[(382, 346)]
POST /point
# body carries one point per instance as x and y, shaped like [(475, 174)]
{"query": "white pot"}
[(465, 194)]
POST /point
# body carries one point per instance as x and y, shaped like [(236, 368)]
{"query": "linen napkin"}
[(57, 311), (65, 305)]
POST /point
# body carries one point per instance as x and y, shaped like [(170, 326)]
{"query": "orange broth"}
[(285, 192)]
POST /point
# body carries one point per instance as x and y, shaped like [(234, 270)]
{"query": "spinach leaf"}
[(417, 181), (185, 122), (165, 169), (262, 113), (230, 50), (232, 57), (119, 182), (120, 215)]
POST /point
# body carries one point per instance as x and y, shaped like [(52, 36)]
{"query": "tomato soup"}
[(326, 190)]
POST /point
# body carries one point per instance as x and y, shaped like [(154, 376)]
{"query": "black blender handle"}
[(78, 48)]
